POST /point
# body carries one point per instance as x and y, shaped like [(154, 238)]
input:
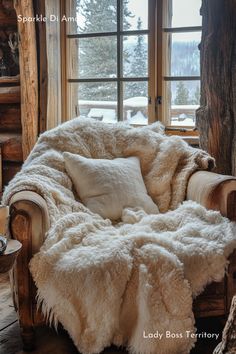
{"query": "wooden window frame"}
[(119, 34), (157, 110), (150, 79), (164, 28)]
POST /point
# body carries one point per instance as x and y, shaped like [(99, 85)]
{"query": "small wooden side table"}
[(8, 257)]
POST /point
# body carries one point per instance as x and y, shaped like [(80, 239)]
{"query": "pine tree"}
[(182, 94), (139, 65), (98, 56), (196, 99)]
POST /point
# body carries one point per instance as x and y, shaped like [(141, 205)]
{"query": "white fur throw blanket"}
[(133, 282)]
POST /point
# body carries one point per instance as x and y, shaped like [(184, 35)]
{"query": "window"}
[(181, 64), (107, 63), (132, 60)]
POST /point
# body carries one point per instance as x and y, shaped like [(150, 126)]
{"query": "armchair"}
[(29, 221)]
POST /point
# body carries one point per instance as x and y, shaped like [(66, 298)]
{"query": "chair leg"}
[(28, 338), (21, 229)]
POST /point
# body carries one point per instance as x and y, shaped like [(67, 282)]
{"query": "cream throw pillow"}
[(108, 186)]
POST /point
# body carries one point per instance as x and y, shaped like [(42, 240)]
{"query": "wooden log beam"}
[(39, 8), (11, 147), (10, 118), (9, 170), (10, 94), (216, 116), (28, 75), (10, 80), (7, 16)]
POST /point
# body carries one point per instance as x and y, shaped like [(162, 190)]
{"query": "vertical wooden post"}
[(28, 76), (216, 117), (39, 8), (53, 47)]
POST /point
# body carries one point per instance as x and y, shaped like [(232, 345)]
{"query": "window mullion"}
[(119, 60)]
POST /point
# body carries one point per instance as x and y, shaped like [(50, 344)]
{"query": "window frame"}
[(165, 28), (157, 109), (119, 34)]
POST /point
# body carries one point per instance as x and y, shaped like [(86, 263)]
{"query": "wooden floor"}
[(49, 342)]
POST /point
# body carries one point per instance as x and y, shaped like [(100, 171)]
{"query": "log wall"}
[(216, 117), (10, 95)]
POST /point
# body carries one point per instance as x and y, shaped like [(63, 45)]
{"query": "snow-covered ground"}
[(138, 119), (182, 115)]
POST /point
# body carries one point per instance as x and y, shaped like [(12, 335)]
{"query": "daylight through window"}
[(108, 60), (181, 37), (128, 61)]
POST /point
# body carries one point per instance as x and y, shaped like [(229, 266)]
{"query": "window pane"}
[(135, 104), (185, 55), (98, 100), (93, 57), (186, 13), (135, 15), (135, 56), (184, 99), (92, 16)]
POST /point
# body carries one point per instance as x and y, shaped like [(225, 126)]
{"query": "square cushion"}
[(106, 187)]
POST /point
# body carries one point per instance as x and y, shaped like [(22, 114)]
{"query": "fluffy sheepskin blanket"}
[(132, 283)]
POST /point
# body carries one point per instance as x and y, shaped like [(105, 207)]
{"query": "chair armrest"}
[(29, 221), (28, 207), (214, 191)]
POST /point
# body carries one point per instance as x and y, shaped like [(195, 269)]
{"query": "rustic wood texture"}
[(9, 80), (10, 118), (39, 8), (53, 40), (7, 17), (4, 219), (9, 169), (216, 116), (11, 146), (6, 20), (21, 231), (8, 258), (29, 77), (10, 97), (10, 94)]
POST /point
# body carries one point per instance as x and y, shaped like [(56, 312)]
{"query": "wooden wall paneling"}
[(10, 94), (29, 76), (216, 117), (10, 117), (7, 14), (9, 170), (39, 8), (10, 80), (11, 147), (54, 65)]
